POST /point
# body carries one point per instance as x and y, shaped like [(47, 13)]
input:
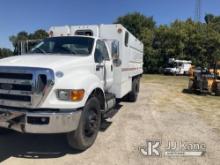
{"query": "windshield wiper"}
[(41, 50)]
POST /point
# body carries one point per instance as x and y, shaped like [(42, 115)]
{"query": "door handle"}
[(99, 66)]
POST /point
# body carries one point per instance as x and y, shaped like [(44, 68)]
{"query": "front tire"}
[(4, 131), (87, 131)]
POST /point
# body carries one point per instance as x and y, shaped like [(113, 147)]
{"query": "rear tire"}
[(86, 133), (133, 95), (217, 93)]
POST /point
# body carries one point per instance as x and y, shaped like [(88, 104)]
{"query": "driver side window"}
[(101, 52)]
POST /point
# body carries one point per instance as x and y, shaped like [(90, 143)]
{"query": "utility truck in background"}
[(70, 81), (178, 67)]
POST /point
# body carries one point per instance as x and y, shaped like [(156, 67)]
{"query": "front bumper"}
[(40, 121)]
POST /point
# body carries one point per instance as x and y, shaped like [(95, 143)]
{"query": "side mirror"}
[(115, 53)]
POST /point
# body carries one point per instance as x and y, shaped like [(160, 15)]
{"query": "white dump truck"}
[(178, 67), (70, 81)]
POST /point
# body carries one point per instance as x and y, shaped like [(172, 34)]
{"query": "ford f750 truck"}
[(70, 81)]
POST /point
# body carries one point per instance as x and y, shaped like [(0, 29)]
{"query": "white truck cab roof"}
[(82, 30), (104, 31)]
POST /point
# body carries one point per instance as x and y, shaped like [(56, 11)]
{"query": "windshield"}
[(172, 65), (65, 45)]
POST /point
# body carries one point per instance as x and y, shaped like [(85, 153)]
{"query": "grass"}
[(167, 80), (208, 107)]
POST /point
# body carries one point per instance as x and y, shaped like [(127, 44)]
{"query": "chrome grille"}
[(24, 86)]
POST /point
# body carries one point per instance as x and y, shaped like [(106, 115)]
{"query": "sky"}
[(30, 15)]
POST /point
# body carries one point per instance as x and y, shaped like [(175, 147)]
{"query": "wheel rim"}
[(91, 124)]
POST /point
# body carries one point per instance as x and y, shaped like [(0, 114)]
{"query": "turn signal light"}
[(77, 95)]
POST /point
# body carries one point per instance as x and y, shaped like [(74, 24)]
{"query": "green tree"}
[(213, 21), (21, 36), (136, 23), (39, 34), (4, 52), (150, 55), (209, 18), (24, 36), (186, 40)]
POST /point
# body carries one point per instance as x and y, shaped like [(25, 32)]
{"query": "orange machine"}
[(205, 80)]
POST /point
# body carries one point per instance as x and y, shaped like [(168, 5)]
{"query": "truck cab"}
[(70, 81), (178, 67)]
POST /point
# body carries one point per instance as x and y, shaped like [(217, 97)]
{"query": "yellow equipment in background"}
[(206, 81)]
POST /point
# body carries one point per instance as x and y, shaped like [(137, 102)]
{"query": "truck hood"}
[(54, 62)]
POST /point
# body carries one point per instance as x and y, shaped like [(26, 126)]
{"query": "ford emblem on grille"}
[(6, 86)]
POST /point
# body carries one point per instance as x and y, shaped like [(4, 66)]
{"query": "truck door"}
[(104, 67)]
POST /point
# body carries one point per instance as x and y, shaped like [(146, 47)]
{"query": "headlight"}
[(70, 95)]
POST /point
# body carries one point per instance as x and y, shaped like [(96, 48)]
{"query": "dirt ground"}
[(163, 112)]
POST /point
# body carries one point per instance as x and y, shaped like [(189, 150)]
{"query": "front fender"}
[(80, 80)]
